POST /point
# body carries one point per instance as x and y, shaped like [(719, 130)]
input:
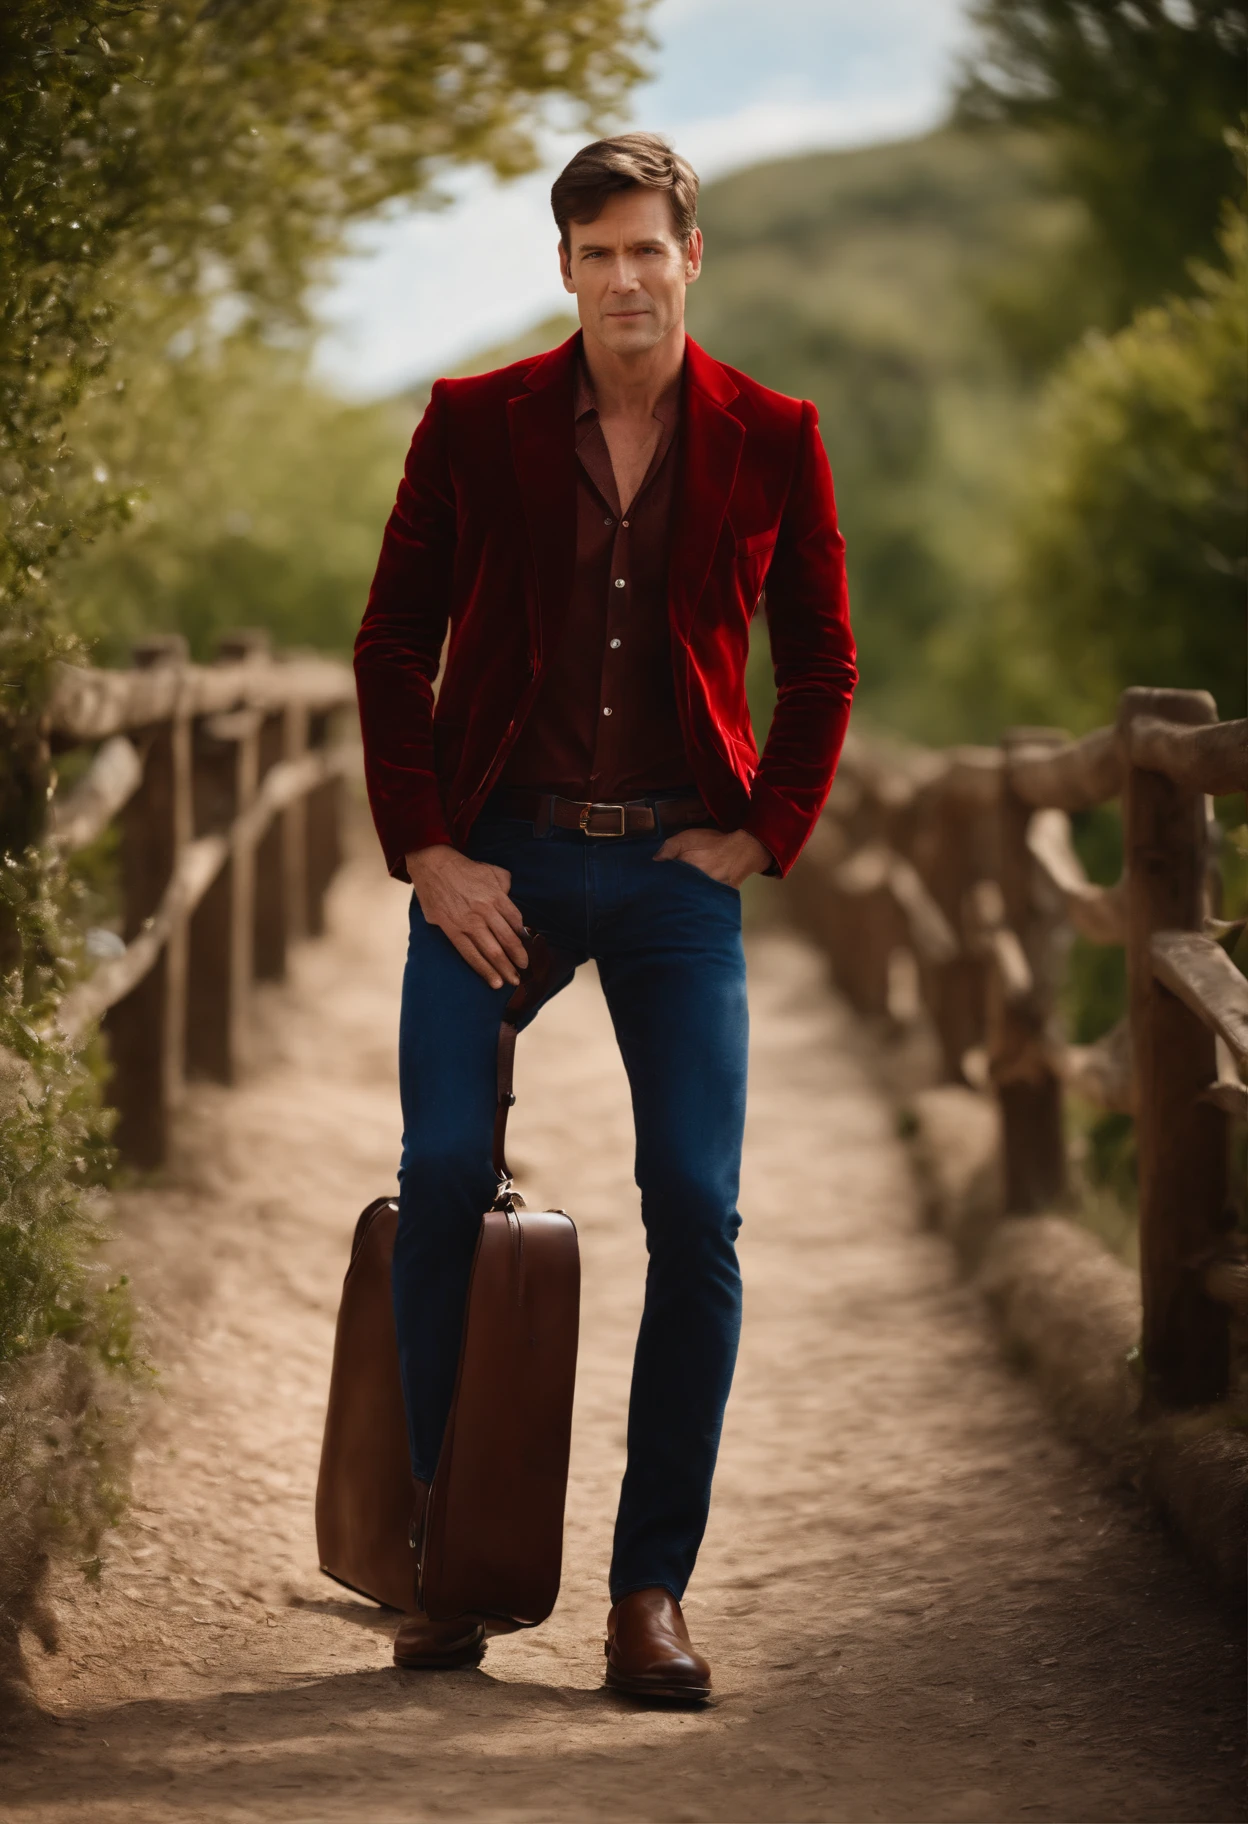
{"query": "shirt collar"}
[(585, 401)]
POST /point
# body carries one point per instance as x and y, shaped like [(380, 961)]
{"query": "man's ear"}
[(565, 269), (693, 257)]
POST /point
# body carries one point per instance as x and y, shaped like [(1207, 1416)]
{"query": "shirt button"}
[(606, 712), (619, 582), (623, 522), (608, 522), (614, 645)]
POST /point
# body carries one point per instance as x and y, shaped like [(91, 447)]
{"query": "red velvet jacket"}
[(483, 537)]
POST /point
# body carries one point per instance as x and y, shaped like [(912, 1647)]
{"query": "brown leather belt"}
[(636, 818)]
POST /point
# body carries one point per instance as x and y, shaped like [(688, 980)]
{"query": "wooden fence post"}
[(294, 828), (220, 966), (147, 1030), (948, 854), (274, 921), (323, 829), (856, 919), (270, 894), (1028, 1089), (866, 927), (1181, 1140)]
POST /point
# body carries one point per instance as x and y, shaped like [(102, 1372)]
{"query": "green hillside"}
[(884, 243), (865, 281)]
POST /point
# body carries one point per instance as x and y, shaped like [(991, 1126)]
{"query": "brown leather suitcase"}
[(492, 1537), (365, 1495)]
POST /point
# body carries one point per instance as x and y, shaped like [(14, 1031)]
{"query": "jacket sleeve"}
[(813, 652), (399, 644)]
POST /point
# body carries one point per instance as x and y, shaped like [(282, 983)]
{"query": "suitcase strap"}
[(548, 971), (507, 1035)]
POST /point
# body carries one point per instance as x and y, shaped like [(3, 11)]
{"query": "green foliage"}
[(1132, 544), (1137, 96), (68, 1358), (53, 1137)]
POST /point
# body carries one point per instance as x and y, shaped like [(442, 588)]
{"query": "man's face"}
[(628, 272)]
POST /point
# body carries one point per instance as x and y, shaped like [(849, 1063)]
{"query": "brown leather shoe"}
[(649, 1653), (422, 1645)]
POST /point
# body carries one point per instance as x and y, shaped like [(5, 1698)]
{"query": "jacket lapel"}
[(713, 441), (544, 455)]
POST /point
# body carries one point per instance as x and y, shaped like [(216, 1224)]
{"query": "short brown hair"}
[(632, 161)]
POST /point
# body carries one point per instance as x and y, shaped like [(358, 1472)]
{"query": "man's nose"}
[(624, 276)]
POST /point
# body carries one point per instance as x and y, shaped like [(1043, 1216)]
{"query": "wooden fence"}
[(954, 872), (226, 783)]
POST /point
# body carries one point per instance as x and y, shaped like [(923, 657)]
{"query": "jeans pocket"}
[(691, 867)]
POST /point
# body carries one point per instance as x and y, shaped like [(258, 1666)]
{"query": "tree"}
[(1139, 96), (1131, 555)]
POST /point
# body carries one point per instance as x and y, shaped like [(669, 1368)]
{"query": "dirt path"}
[(918, 1602)]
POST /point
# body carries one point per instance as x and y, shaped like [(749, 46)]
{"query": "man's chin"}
[(632, 336)]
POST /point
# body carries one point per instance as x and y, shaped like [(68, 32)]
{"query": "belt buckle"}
[(587, 811)]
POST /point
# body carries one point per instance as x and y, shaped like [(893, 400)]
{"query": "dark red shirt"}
[(604, 724)]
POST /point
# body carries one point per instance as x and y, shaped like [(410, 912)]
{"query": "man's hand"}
[(729, 857), (469, 901)]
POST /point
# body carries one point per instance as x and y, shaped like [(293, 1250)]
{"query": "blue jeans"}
[(667, 942)]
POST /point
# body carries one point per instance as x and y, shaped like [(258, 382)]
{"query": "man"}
[(597, 526)]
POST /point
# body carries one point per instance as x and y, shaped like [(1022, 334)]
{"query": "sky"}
[(735, 82)]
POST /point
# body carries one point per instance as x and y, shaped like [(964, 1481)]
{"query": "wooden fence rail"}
[(225, 782), (957, 870)]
